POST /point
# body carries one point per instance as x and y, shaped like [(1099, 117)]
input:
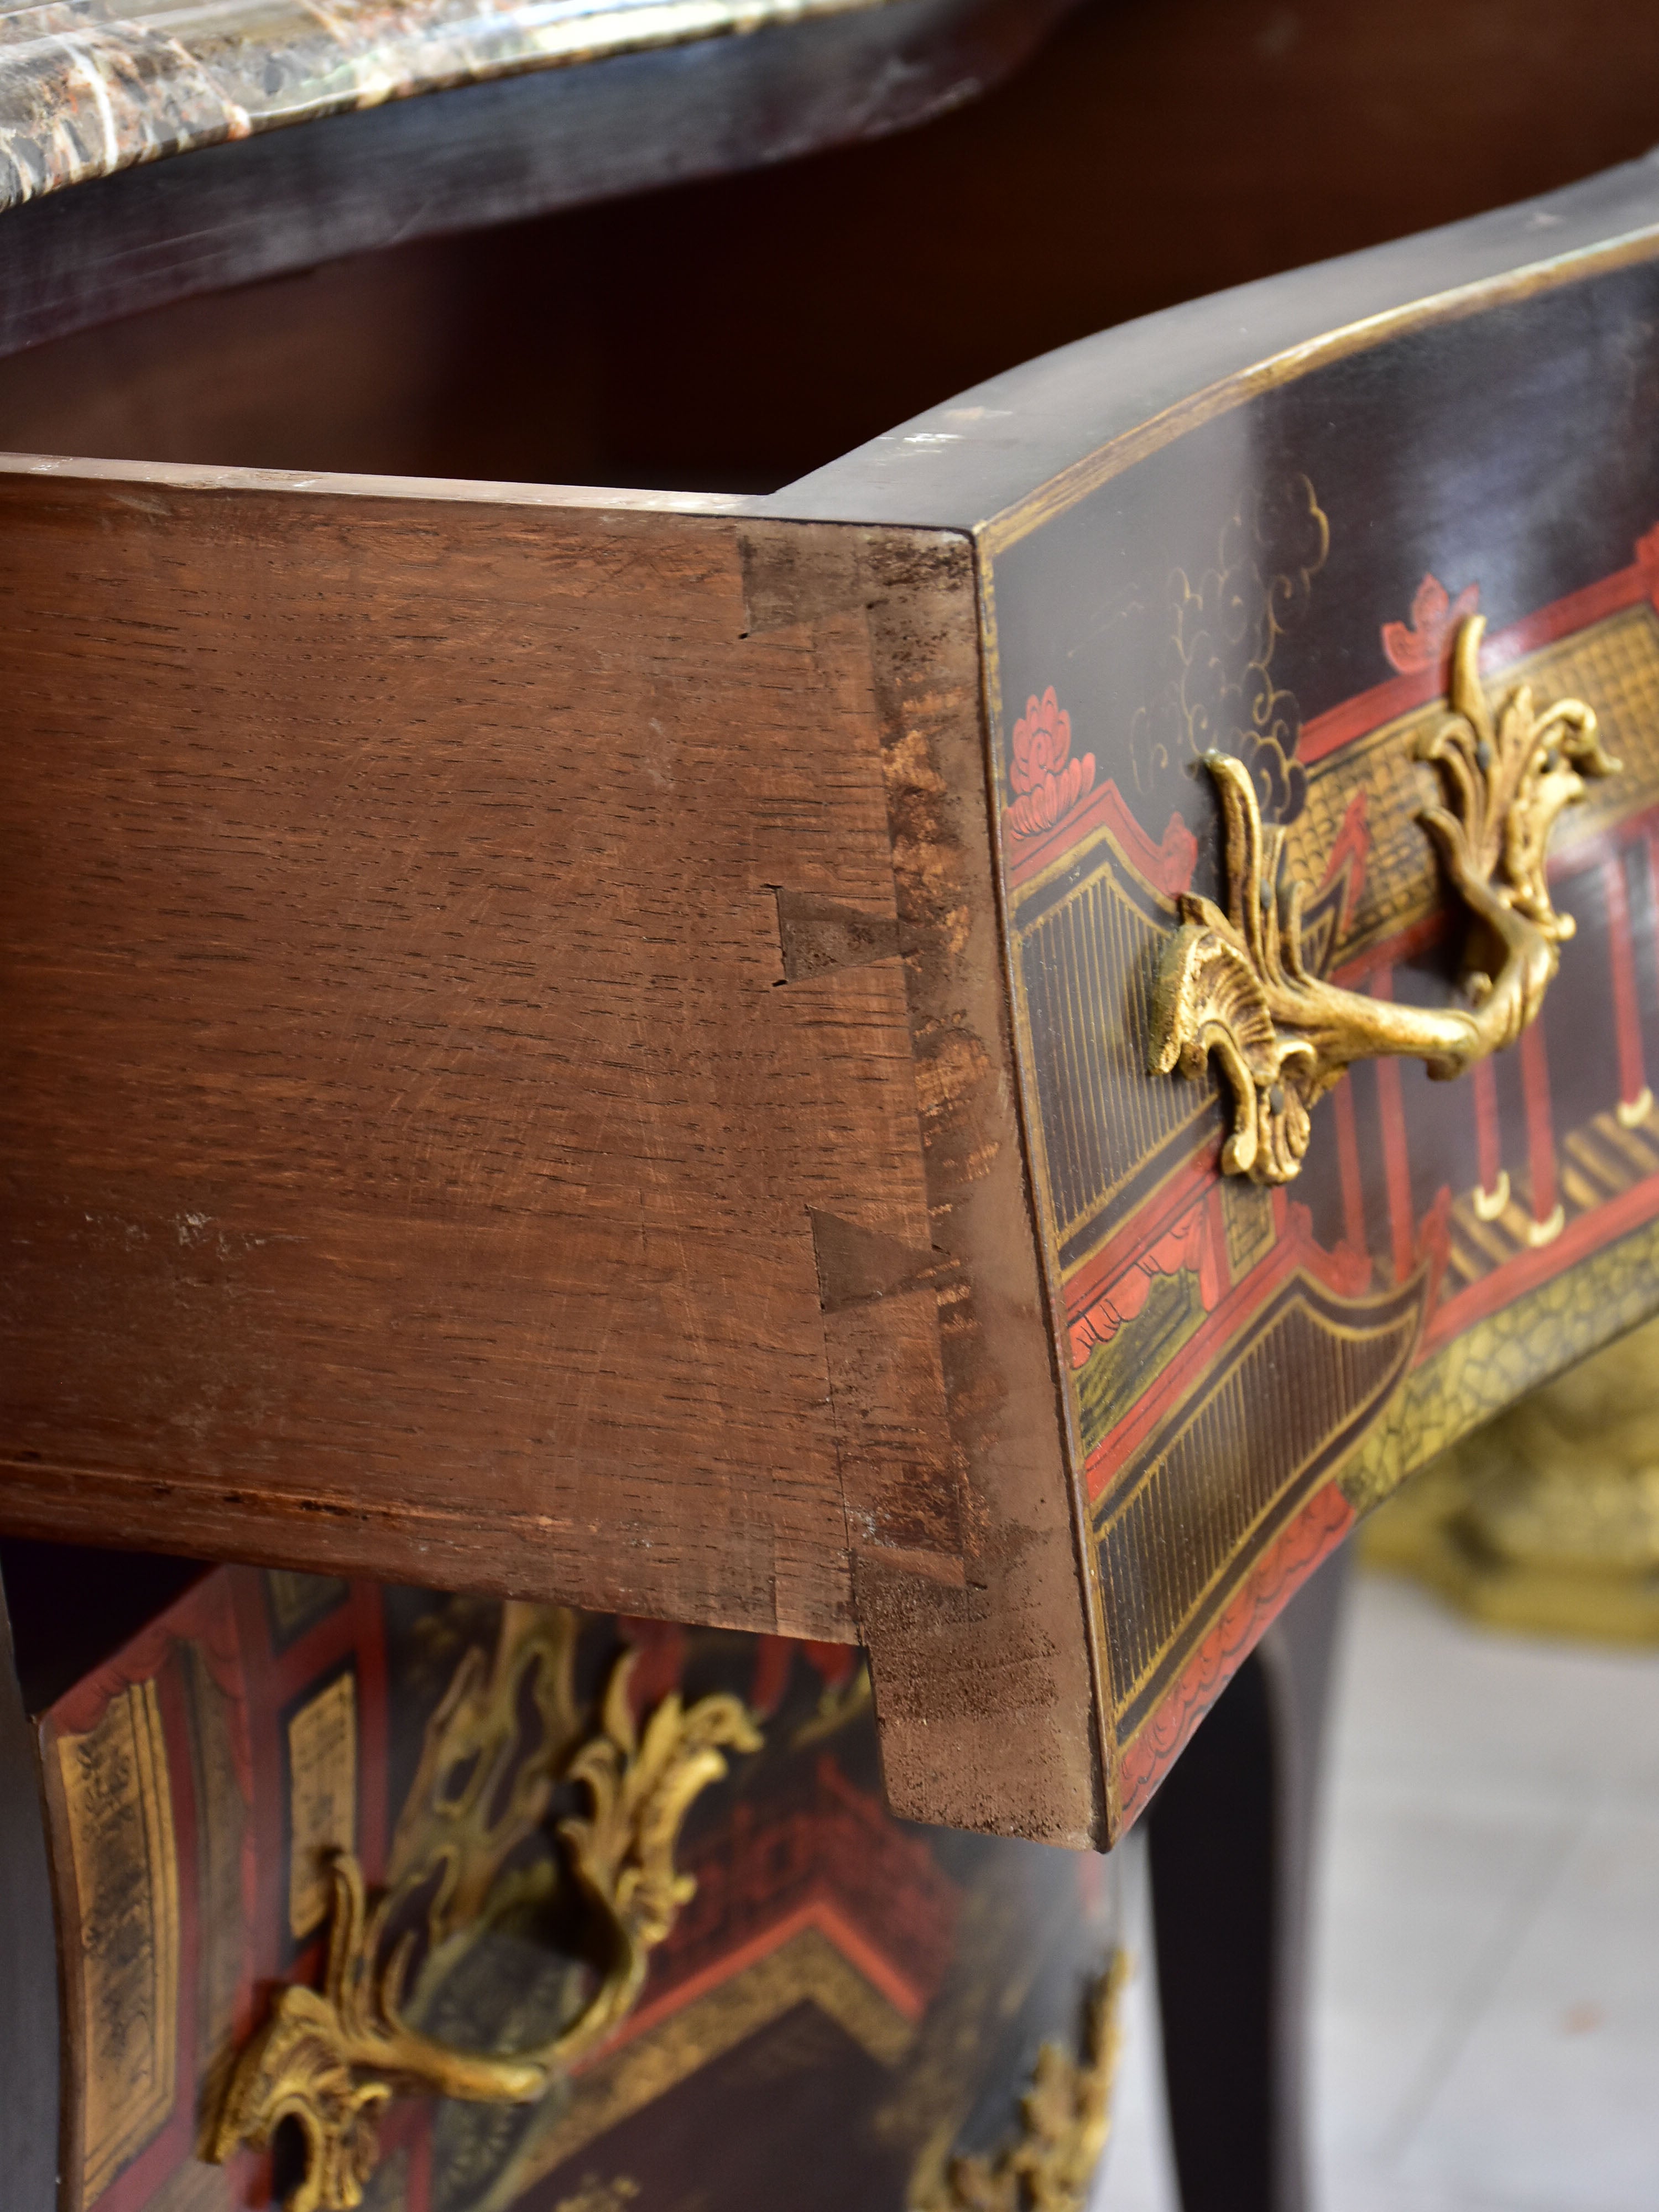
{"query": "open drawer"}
[(656, 1051)]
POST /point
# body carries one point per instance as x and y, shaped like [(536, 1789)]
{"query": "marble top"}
[(87, 87)]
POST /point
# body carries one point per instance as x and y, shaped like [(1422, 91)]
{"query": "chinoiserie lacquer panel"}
[(1251, 1361)]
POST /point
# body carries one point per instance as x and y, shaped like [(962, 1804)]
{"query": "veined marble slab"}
[(87, 87)]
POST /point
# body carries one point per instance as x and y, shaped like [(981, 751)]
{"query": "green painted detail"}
[(1499, 1360), (1119, 1371)]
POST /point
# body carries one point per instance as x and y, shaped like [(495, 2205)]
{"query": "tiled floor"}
[(1487, 1993)]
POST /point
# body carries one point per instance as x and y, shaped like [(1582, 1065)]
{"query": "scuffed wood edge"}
[(983, 1682), (196, 476), (1109, 1825), (122, 1509)]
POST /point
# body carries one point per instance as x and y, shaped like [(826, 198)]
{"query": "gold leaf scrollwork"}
[(1234, 986), (331, 2060), (1066, 2117)]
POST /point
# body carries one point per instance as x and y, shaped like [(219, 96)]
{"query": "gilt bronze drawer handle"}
[(1235, 984), (331, 2060)]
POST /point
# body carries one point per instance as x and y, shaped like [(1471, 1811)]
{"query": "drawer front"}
[(827, 1973), (1280, 569)]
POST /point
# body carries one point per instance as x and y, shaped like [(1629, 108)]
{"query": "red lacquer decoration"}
[(1310, 1538), (1193, 1244), (1047, 779), (1423, 642)]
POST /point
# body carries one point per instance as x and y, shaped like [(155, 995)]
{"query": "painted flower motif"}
[(1435, 615), (1048, 780)]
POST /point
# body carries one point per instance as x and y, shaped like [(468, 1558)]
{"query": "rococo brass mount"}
[(1066, 2117), (331, 2060), (1235, 985)]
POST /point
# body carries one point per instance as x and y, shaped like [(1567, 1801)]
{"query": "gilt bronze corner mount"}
[(1065, 2118), (1235, 985), (329, 2061)]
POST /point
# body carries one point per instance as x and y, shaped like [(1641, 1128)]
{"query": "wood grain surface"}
[(467, 1116)]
